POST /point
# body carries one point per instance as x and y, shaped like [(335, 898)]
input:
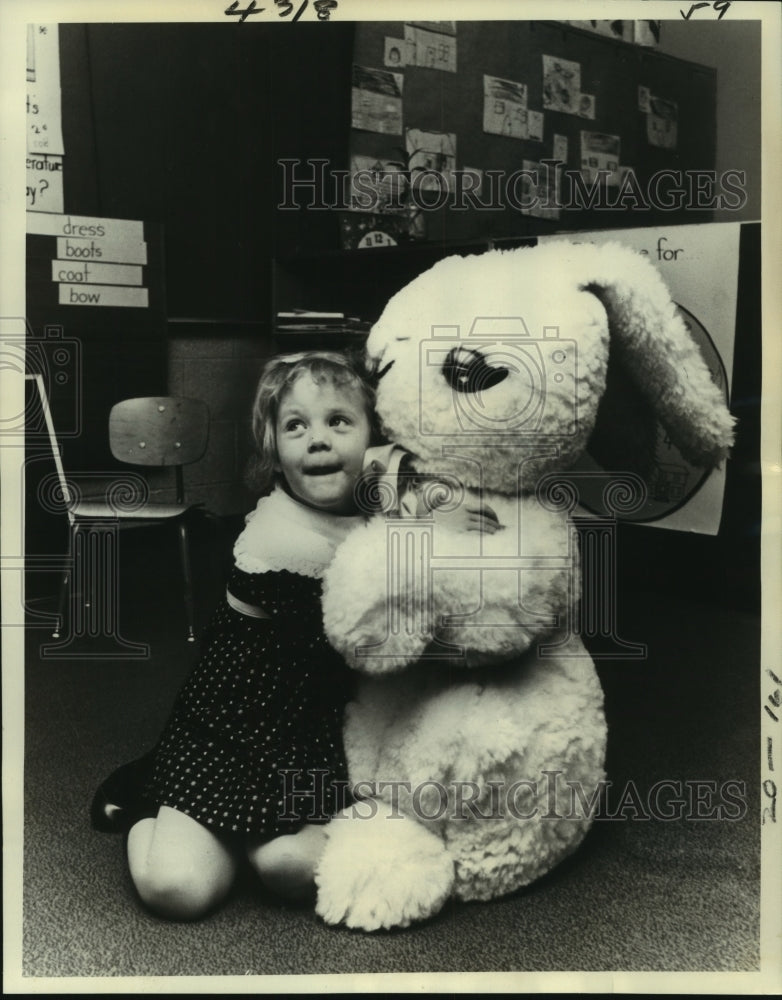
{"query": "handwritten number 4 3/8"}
[(323, 9)]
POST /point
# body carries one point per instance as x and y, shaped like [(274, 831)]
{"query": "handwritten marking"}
[(770, 790), (323, 9), (232, 11), (289, 6), (769, 786), (721, 6), (775, 697)]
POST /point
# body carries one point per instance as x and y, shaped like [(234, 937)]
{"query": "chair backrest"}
[(159, 430)]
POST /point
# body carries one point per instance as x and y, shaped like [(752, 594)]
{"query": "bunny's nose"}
[(466, 370)]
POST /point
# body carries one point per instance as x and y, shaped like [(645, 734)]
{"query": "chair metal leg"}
[(58, 625), (94, 598), (65, 583), (184, 551)]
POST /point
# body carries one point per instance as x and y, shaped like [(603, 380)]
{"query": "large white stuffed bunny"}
[(476, 742)]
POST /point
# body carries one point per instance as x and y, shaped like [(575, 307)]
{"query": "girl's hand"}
[(471, 515), (423, 499)]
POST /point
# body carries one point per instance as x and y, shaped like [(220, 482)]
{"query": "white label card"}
[(45, 224), (87, 272), (121, 252), (103, 295)]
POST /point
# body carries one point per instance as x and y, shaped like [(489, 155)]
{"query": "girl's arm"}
[(397, 489), (448, 505)]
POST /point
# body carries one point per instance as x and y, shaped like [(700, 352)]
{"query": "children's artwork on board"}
[(662, 123), (628, 181), (504, 107), (586, 106), (444, 27), (540, 190), (394, 52), (377, 185), (561, 84), (647, 33), (600, 157), (431, 159), (430, 49), (472, 179), (621, 30), (535, 126), (376, 100), (559, 148)]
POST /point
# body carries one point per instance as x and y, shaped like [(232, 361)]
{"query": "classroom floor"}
[(638, 895)]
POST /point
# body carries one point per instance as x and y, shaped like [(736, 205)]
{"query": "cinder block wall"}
[(223, 372)]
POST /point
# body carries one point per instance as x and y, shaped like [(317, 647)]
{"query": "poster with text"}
[(44, 125)]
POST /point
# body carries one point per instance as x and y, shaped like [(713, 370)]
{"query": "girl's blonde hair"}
[(278, 377)]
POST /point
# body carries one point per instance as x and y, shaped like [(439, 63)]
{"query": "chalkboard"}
[(188, 122)]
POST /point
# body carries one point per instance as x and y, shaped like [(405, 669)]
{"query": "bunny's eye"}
[(467, 370)]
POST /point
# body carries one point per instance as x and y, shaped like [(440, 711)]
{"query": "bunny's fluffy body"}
[(478, 732)]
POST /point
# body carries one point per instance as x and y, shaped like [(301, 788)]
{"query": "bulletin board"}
[(501, 96)]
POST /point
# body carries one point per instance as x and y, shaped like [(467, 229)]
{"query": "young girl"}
[(251, 760)]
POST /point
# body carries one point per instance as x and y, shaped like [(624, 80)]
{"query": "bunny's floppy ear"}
[(652, 345)]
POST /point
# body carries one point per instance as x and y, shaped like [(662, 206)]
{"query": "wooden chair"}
[(151, 431)]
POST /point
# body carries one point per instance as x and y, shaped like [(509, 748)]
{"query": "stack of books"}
[(323, 327)]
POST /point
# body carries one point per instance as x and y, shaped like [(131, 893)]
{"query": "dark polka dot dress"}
[(254, 741)]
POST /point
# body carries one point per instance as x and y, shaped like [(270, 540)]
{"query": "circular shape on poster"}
[(675, 481)]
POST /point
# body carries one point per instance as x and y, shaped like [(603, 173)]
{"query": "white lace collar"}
[(283, 534)]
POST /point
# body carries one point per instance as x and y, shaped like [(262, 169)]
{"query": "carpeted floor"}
[(639, 894)]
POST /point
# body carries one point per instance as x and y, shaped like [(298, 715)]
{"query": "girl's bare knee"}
[(287, 864), (177, 895), (180, 869)]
